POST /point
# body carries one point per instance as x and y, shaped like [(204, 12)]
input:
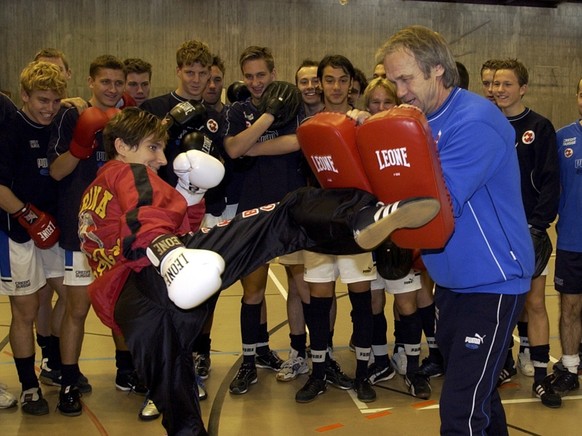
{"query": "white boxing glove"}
[(197, 172), (191, 276)]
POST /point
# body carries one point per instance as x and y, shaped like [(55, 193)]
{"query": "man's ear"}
[(438, 70), (121, 147)]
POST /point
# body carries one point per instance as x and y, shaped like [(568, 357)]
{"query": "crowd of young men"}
[(263, 163)]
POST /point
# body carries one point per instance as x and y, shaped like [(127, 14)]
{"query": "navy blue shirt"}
[(268, 178), (71, 187), (24, 169)]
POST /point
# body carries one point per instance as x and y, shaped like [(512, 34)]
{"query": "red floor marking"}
[(509, 385), (424, 404), (379, 414), (329, 427), (94, 420)]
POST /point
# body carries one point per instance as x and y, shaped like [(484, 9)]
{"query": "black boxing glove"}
[(237, 91), (282, 100), (187, 114), (393, 262), (199, 141)]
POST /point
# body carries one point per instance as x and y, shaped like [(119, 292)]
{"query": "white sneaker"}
[(292, 367), (524, 363), (7, 400), (399, 361)]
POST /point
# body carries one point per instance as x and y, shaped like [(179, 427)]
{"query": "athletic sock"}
[(298, 343), (124, 361), (411, 335), (379, 341), (55, 352), (427, 315), (25, 370), (263, 340), (250, 320), (44, 344), (363, 330), (523, 338), (70, 374), (318, 323), (202, 343), (540, 356)]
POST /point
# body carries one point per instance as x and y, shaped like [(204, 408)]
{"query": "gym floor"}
[(269, 408)]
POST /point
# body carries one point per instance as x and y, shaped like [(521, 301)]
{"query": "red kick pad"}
[(328, 141), (400, 159)]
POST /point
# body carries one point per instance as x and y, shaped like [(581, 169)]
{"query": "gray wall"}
[(548, 41)]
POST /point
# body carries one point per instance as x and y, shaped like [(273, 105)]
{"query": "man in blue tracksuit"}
[(485, 269)]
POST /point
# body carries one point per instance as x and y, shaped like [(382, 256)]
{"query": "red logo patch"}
[(528, 137)]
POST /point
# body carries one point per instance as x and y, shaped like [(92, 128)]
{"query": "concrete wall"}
[(548, 41)]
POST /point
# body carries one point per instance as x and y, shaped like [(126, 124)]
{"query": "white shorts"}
[(24, 267), (77, 270), (410, 283), (228, 214), (295, 258), (323, 268)]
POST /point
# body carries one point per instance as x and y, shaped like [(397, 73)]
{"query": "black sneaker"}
[(310, 390), (148, 411), (559, 366), (270, 360), (545, 392), (32, 402), (202, 365), (53, 377), (376, 373), (564, 382), (335, 377), (418, 385), (364, 390), (506, 374), (375, 223), (70, 401), (246, 376), (430, 369), (128, 381)]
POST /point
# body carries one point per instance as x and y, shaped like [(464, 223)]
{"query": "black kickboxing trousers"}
[(160, 335)]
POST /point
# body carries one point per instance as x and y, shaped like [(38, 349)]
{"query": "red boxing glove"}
[(40, 226), (91, 121), (126, 100)]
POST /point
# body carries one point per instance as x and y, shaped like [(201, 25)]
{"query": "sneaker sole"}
[(203, 377), (258, 365), (237, 392), (123, 388), (422, 396), (410, 215), (385, 378), (148, 417), (80, 412), (12, 403), (339, 386), (309, 400), (48, 381), (36, 413), (366, 400), (293, 376)]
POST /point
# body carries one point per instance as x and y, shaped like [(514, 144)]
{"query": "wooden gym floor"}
[(269, 407)]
